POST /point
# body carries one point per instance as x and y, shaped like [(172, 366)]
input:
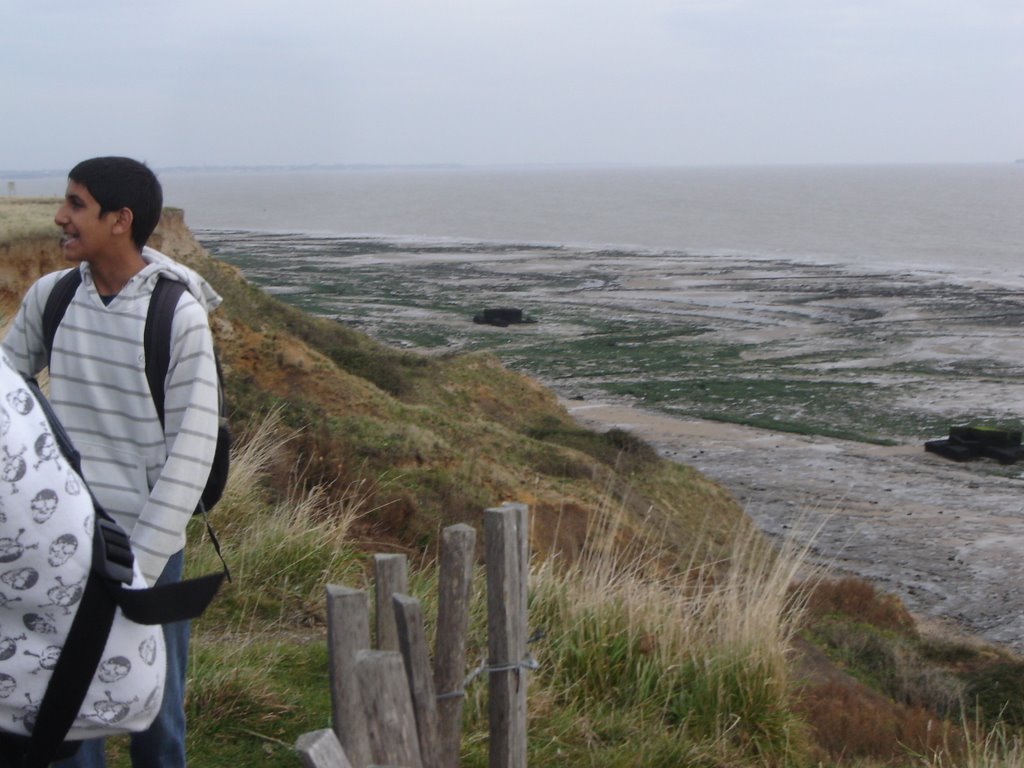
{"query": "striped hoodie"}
[(148, 478)]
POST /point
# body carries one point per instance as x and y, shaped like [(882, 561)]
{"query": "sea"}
[(621, 267), (963, 219)]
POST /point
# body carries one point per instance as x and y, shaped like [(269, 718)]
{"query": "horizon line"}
[(255, 167)]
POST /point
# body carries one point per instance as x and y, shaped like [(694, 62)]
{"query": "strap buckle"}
[(112, 554)]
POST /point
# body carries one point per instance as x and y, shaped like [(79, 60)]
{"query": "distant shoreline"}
[(8, 173)]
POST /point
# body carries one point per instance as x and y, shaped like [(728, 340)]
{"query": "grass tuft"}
[(285, 553), (701, 652)]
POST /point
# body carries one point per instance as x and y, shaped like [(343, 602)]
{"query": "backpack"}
[(81, 652), (157, 344)]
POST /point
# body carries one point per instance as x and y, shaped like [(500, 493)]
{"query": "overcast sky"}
[(663, 82)]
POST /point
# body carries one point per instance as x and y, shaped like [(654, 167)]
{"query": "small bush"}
[(891, 663), (553, 461), (859, 601), (950, 652), (281, 555), (617, 448), (996, 691), (852, 723)]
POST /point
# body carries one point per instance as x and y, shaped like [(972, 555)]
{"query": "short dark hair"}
[(121, 182)]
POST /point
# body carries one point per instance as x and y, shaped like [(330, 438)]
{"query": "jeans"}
[(163, 744)]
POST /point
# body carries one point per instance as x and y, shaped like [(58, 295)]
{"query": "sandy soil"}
[(947, 540)]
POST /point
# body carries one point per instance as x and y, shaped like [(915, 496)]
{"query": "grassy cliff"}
[(672, 633), (436, 439)]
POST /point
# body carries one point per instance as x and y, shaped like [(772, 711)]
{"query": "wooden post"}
[(412, 639), (388, 709), (348, 632), (506, 540), (391, 577), (320, 749), (454, 584)]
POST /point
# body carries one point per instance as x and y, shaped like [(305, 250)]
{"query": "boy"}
[(148, 476)]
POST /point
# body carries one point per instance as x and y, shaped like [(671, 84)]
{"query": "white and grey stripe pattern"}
[(148, 479)]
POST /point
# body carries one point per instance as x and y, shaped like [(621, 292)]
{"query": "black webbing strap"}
[(157, 338), (56, 305), (201, 510), (168, 603)]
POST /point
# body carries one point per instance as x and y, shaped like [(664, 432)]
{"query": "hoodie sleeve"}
[(23, 341), (191, 419)]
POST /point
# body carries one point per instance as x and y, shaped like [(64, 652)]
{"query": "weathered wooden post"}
[(507, 551), (348, 632), (412, 640), (320, 749), (455, 576), (387, 703), (391, 576)]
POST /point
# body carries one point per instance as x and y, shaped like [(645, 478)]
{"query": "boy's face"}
[(87, 234)]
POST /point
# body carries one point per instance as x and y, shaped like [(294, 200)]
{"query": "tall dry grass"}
[(702, 650), (281, 555), (252, 670), (996, 747)]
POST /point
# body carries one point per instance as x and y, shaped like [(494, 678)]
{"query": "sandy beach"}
[(944, 538)]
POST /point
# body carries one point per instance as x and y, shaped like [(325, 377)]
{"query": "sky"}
[(509, 82)]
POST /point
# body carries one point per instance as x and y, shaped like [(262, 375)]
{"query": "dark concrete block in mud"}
[(950, 450), (994, 436), (1010, 455), (967, 443), (501, 316)]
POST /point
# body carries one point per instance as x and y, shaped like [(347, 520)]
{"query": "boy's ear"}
[(123, 221)]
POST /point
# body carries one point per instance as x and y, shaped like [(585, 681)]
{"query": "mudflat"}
[(948, 541), (807, 389)]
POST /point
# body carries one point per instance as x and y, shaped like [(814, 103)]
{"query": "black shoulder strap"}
[(157, 341), (57, 304), (157, 337)]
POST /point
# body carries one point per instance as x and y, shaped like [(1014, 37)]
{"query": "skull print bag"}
[(81, 648)]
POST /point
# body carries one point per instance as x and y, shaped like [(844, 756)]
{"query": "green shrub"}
[(996, 692)]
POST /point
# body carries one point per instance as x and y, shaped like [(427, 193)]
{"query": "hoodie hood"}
[(158, 264)]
